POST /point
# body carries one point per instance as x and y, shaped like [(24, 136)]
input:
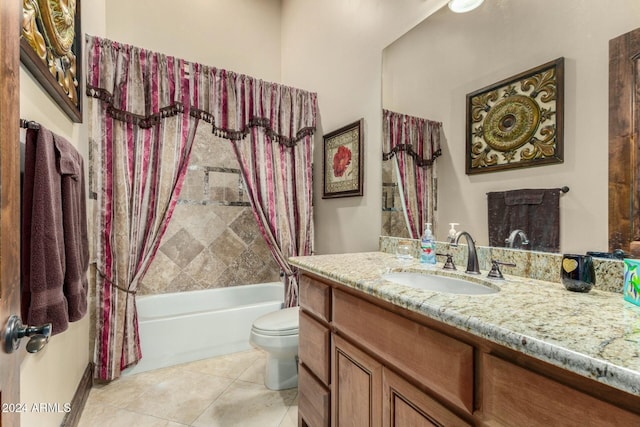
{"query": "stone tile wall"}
[(213, 239)]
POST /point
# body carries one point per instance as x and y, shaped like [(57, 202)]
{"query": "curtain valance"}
[(419, 137), (233, 103)]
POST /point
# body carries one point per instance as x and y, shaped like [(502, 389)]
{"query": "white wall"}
[(334, 47), (237, 35), (53, 374), (429, 71)]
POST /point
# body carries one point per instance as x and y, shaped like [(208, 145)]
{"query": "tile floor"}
[(224, 391)]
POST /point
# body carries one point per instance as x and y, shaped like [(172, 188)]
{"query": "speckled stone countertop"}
[(595, 334)]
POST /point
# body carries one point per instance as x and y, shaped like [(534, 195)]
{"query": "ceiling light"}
[(461, 6)]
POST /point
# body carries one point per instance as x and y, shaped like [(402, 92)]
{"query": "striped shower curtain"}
[(271, 128), (141, 134), (414, 142), (144, 110), (278, 182)]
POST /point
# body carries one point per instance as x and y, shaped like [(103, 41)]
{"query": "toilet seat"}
[(279, 323)]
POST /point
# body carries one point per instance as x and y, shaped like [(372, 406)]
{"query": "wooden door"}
[(356, 386), (10, 14), (624, 143)]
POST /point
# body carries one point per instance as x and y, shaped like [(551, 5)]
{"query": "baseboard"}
[(72, 418)]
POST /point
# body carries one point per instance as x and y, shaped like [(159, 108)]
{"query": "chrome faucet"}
[(472, 257), (512, 238)]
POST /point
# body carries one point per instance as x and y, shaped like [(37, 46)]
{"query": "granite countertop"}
[(595, 334)]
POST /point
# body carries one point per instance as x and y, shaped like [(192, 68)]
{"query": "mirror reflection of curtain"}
[(414, 144)]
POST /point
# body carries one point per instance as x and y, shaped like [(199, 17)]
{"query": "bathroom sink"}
[(436, 283)]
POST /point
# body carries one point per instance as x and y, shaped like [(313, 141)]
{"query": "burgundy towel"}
[(55, 249)]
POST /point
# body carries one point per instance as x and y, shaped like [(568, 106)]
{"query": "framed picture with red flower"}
[(342, 162)]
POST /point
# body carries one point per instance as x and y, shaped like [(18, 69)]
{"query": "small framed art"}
[(342, 161)]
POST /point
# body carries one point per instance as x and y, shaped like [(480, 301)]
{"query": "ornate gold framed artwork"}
[(342, 162), (517, 122), (50, 49)]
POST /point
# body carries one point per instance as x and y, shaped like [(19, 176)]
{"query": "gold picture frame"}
[(517, 122), (50, 48), (342, 161)]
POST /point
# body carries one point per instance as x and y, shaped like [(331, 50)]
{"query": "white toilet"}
[(277, 334)]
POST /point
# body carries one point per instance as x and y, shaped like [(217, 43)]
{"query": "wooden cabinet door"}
[(356, 386), (405, 405)]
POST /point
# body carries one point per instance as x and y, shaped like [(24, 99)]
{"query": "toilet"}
[(277, 334)]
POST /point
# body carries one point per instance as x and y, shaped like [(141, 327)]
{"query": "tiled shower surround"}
[(212, 240)]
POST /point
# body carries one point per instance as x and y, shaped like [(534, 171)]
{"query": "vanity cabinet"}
[(364, 361)]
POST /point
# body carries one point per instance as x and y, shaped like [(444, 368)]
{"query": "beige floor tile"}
[(247, 405), (291, 417), (123, 390), (228, 366), (181, 397), (97, 415), (223, 391), (255, 372)]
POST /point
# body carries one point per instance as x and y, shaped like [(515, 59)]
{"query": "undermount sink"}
[(437, 283)]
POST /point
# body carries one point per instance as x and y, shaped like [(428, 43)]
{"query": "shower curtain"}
[(415, 143), (144, 110)]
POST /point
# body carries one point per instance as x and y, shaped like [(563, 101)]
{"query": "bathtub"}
[(186, 326)]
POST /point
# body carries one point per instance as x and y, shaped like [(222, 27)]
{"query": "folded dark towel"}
[(55, 249)]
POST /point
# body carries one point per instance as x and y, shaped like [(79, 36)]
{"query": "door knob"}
[(15, 331)]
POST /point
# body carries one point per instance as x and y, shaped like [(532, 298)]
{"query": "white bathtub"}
[(186, 326)]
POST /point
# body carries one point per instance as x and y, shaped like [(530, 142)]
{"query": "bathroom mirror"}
[(429, 71)]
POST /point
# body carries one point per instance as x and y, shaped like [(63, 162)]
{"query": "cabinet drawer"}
[(314, 346), (315, 297), (512, 395), (443, 364), (313, 400)]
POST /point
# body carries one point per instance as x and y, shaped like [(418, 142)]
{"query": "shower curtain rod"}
[(29, 124)]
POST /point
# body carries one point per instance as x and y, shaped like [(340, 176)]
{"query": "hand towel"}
[(534, 211)]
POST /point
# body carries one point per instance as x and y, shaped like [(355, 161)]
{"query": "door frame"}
[(10, 28), (624, 143)]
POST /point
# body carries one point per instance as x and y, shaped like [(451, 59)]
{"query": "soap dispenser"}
[(428, 246), (453, 232)]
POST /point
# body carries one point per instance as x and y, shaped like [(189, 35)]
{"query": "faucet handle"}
[(448, 264), (495, 272)]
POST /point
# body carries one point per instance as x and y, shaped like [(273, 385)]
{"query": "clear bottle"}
[(453, 231), (427, 246)]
